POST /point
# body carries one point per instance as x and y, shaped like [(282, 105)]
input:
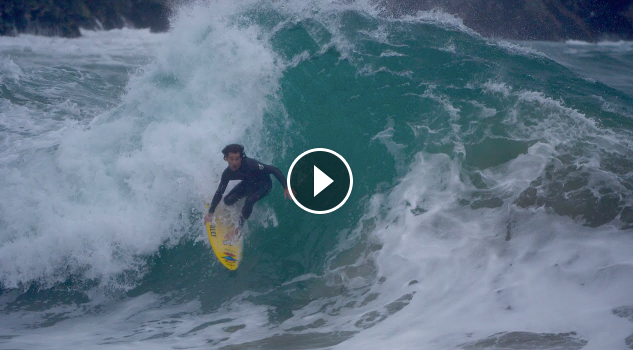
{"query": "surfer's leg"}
[(239, 191), (261, 192)]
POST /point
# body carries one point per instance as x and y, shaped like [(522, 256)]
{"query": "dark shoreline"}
[(64, 18), (549, 20)]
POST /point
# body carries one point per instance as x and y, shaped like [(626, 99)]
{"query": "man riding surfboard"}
[(255, 184)]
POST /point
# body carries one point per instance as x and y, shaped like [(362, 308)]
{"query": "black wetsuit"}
[(255, 185)]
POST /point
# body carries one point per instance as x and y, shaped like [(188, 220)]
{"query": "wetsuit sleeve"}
[(218, 194), (269, 169)]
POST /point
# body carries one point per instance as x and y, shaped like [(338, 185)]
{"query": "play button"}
[(322, 180)]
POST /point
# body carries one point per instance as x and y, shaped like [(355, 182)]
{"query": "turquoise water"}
[(492, 185)]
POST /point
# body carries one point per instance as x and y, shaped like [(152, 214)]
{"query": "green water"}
[(505, 131)]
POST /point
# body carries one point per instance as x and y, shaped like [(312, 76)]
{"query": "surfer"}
[(255, 184)]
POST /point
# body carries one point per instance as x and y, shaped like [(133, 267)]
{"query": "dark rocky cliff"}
[(65, 17), (512, 19)]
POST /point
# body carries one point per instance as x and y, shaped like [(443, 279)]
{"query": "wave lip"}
[(120, 186), (479, 164)]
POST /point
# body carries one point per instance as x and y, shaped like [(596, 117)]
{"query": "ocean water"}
[(492, 205)]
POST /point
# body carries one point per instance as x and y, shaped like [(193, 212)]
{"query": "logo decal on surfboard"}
[(229, 258)]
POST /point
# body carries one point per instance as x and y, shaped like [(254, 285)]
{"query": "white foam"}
[(578, 42), (440, 17), (497, 87), (107, 195), (550, 276), (390, 53), (395, 149), (515, 48), (9, 69), (205, 90), (553, 275), (452, 111), (619, 45), (486, 112), (145, 321), (114, 47)]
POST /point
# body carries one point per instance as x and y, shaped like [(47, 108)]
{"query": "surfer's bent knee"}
[(230, 200)]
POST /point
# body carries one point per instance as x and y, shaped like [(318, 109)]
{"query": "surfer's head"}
[(233, 154)]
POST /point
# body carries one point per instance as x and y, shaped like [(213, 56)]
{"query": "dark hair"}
[(233, 148)]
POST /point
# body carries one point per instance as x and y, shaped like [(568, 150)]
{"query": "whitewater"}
[(492, 205)]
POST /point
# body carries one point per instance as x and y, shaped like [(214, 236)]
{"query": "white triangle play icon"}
[(321, 181)]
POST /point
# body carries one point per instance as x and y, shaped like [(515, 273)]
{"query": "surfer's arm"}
[(269, 169), (218, 194)]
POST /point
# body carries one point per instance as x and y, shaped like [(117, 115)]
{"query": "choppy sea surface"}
[(493, 185)]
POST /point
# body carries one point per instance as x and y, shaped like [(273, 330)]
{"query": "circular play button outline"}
[(349, 190)]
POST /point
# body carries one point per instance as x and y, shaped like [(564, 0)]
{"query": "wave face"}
[(492, 205)]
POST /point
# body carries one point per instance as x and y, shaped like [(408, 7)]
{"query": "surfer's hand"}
[(208, 218), (287, 193)]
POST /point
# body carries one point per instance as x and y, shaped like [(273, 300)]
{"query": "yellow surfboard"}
[(229, 252)]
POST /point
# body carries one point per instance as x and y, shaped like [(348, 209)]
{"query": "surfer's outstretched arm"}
[(218, 194), (269, 169)]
